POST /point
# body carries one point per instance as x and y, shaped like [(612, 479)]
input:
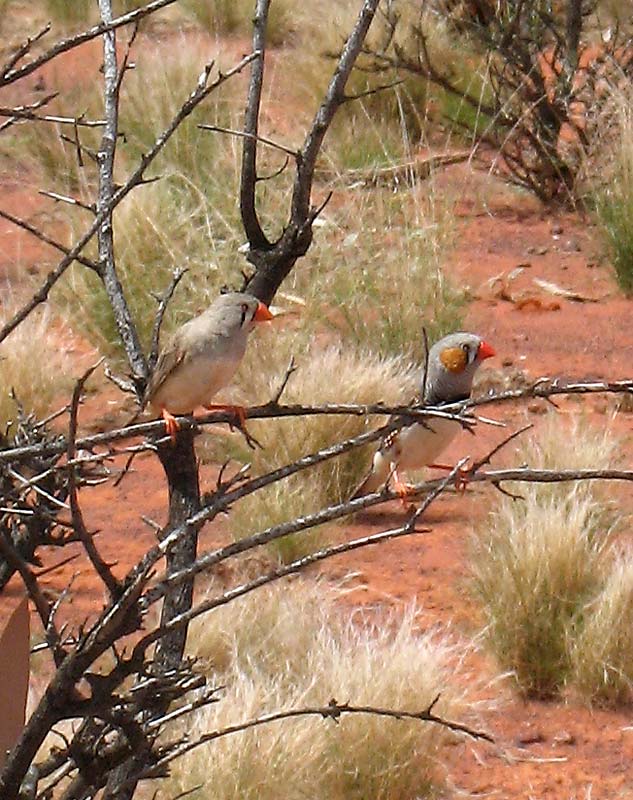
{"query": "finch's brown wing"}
[(169, 360)]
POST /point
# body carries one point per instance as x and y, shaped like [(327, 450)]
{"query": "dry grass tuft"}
[(289, 646), (330, 374), (537, 562), (602, 650), (376, 271), (33, 367)]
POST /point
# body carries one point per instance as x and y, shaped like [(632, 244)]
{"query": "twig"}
[(487, 458), (245, 135), (333, 710), (9, 75), (44, 608), (176, 277), (28, 113), (102, 569), (290, 369), (63, 198), (359, 95), (24, 48)]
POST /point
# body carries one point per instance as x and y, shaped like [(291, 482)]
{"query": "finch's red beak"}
[(485, 351), (262, 314)]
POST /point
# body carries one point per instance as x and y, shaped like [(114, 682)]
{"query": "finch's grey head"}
[(453, 362), (235, 311)]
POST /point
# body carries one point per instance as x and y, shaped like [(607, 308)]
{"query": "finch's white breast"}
[(194, 383), (417, 446)]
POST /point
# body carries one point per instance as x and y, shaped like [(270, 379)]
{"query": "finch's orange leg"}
[(172, 425), (403, 490), (239, 412), (462, 477), (240, 416)]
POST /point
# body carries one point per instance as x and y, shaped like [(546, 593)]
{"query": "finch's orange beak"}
[(485, 351), (262, 314)]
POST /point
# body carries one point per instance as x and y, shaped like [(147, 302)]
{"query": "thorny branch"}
[(333, 711), (543, 388)]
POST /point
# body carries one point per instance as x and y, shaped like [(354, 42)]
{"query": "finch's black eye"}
[(244, 312)]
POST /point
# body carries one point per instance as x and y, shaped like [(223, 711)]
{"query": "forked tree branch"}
[(273, 261)]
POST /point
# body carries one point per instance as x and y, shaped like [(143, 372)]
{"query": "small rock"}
[(564, 737), (536, 408), (556, 229), (536, 249), (572, 245), (507, 361), (531, 736)]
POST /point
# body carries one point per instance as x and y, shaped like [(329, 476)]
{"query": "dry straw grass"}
[(538, 562), (33, 366), (602, 650), (324, 374), (289, 646)]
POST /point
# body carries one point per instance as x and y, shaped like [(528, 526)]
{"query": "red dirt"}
[(545, 750)]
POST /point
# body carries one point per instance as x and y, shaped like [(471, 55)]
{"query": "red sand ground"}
[(545, 750)]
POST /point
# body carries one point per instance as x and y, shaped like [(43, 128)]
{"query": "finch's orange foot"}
[(239, 412), (404, 492), (172, 425), (240, 416), (462, 476)]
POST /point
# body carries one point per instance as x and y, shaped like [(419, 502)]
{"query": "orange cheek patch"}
[(453, 358)]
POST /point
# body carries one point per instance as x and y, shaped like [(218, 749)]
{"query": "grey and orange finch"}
[(202, 356), (452, 364)]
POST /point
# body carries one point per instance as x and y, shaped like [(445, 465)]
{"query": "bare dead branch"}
[(101, 568), (333, 710), (105, 205), (164, 301), (43, 237), (9, 74), (244, 135), (248, 210), (541, 388)]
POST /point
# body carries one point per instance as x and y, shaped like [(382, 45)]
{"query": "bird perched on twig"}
[(451, 366), (202, 356)]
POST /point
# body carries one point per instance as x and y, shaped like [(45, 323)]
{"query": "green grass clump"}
[(290, 646), (538, 562), (613, 197), (236, 17)]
